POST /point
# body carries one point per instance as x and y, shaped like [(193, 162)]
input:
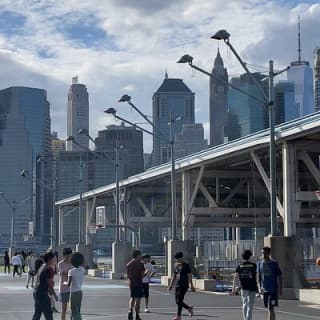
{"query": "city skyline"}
[(47, 45)]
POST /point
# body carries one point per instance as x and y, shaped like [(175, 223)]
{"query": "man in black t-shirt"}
[(182, 278), (246, 272), (44, 287)]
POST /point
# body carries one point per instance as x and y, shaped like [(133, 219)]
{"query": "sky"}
[(118, 47)]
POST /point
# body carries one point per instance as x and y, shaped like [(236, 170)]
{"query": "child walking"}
[(75, 279)]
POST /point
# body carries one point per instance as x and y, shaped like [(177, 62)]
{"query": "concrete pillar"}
[(286, 252), (290, 205), (186, 196), (188, 249), (60, 214), (121, 254), (86, 250)]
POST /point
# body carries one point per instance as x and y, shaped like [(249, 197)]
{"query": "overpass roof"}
[(287, 131)]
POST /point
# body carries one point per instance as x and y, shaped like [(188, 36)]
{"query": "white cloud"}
[(142, 40)]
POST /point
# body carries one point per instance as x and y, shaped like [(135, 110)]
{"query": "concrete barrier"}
[(309, 295), (199, 284), (95, 272), (205, 284)]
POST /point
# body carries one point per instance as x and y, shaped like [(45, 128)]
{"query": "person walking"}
[(149, 272), (75, 279), (135, 273), (6, 262), (16, 263), (44, 288), (23, 257), (31, 261), (64, 290), (269, 282), (182, 278), (246, 273)]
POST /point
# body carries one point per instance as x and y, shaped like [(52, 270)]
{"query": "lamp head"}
[(111, 111), (24, 173), (185, 59), (125, 98), (221, 35), (83, 131), (70, 138)]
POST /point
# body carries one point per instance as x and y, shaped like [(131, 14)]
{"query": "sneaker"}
[(177, 317), (130, 316), (146, 310), (27, 286), (190, 311), (138, 317), (54, 309)]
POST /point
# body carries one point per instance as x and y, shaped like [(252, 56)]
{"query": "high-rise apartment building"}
[(190, 140), (25, 144), (285, 107), (218, 101), (316, 54), (173, 99), (246, 115), (300, 73), (78, 115), (131, 151)]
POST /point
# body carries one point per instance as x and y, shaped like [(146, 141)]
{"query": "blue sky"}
[(125, 46)]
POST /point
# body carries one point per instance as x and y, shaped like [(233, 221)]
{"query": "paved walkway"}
[(105, 299)]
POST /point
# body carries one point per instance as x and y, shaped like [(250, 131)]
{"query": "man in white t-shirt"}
[(149, 272), (75, 279), (16, 262)]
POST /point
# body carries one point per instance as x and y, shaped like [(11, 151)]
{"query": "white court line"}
[(293, 314)]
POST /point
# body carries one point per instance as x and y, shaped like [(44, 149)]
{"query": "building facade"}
[(218, 102), (285, 107), (190, 140), (245, 114), (131, 141), (316, 54), (77, 115), (25, 144), (301, 74), (173, 99)]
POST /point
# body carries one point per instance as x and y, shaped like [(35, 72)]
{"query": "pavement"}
[(106, 299)]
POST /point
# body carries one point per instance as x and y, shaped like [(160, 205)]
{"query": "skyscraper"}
[(316, 54), (25, 144), (190, 140), (173, 99), (78, 115), (131, 141), (218, 101), (301, 74), (246, 115), (285, 107)]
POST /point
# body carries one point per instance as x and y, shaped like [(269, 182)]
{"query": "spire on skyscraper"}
[(299, 41), (166, 74)]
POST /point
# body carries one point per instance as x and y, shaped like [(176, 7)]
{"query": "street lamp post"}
[(161, 136), (117, 176), (268, 100), (25, 174), (71, 138), (13, 206)]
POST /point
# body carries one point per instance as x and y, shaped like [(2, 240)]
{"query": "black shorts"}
[(270, 300), (146, 290), (136, 292)]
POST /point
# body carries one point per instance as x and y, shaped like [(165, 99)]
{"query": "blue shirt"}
[(269, 271)]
